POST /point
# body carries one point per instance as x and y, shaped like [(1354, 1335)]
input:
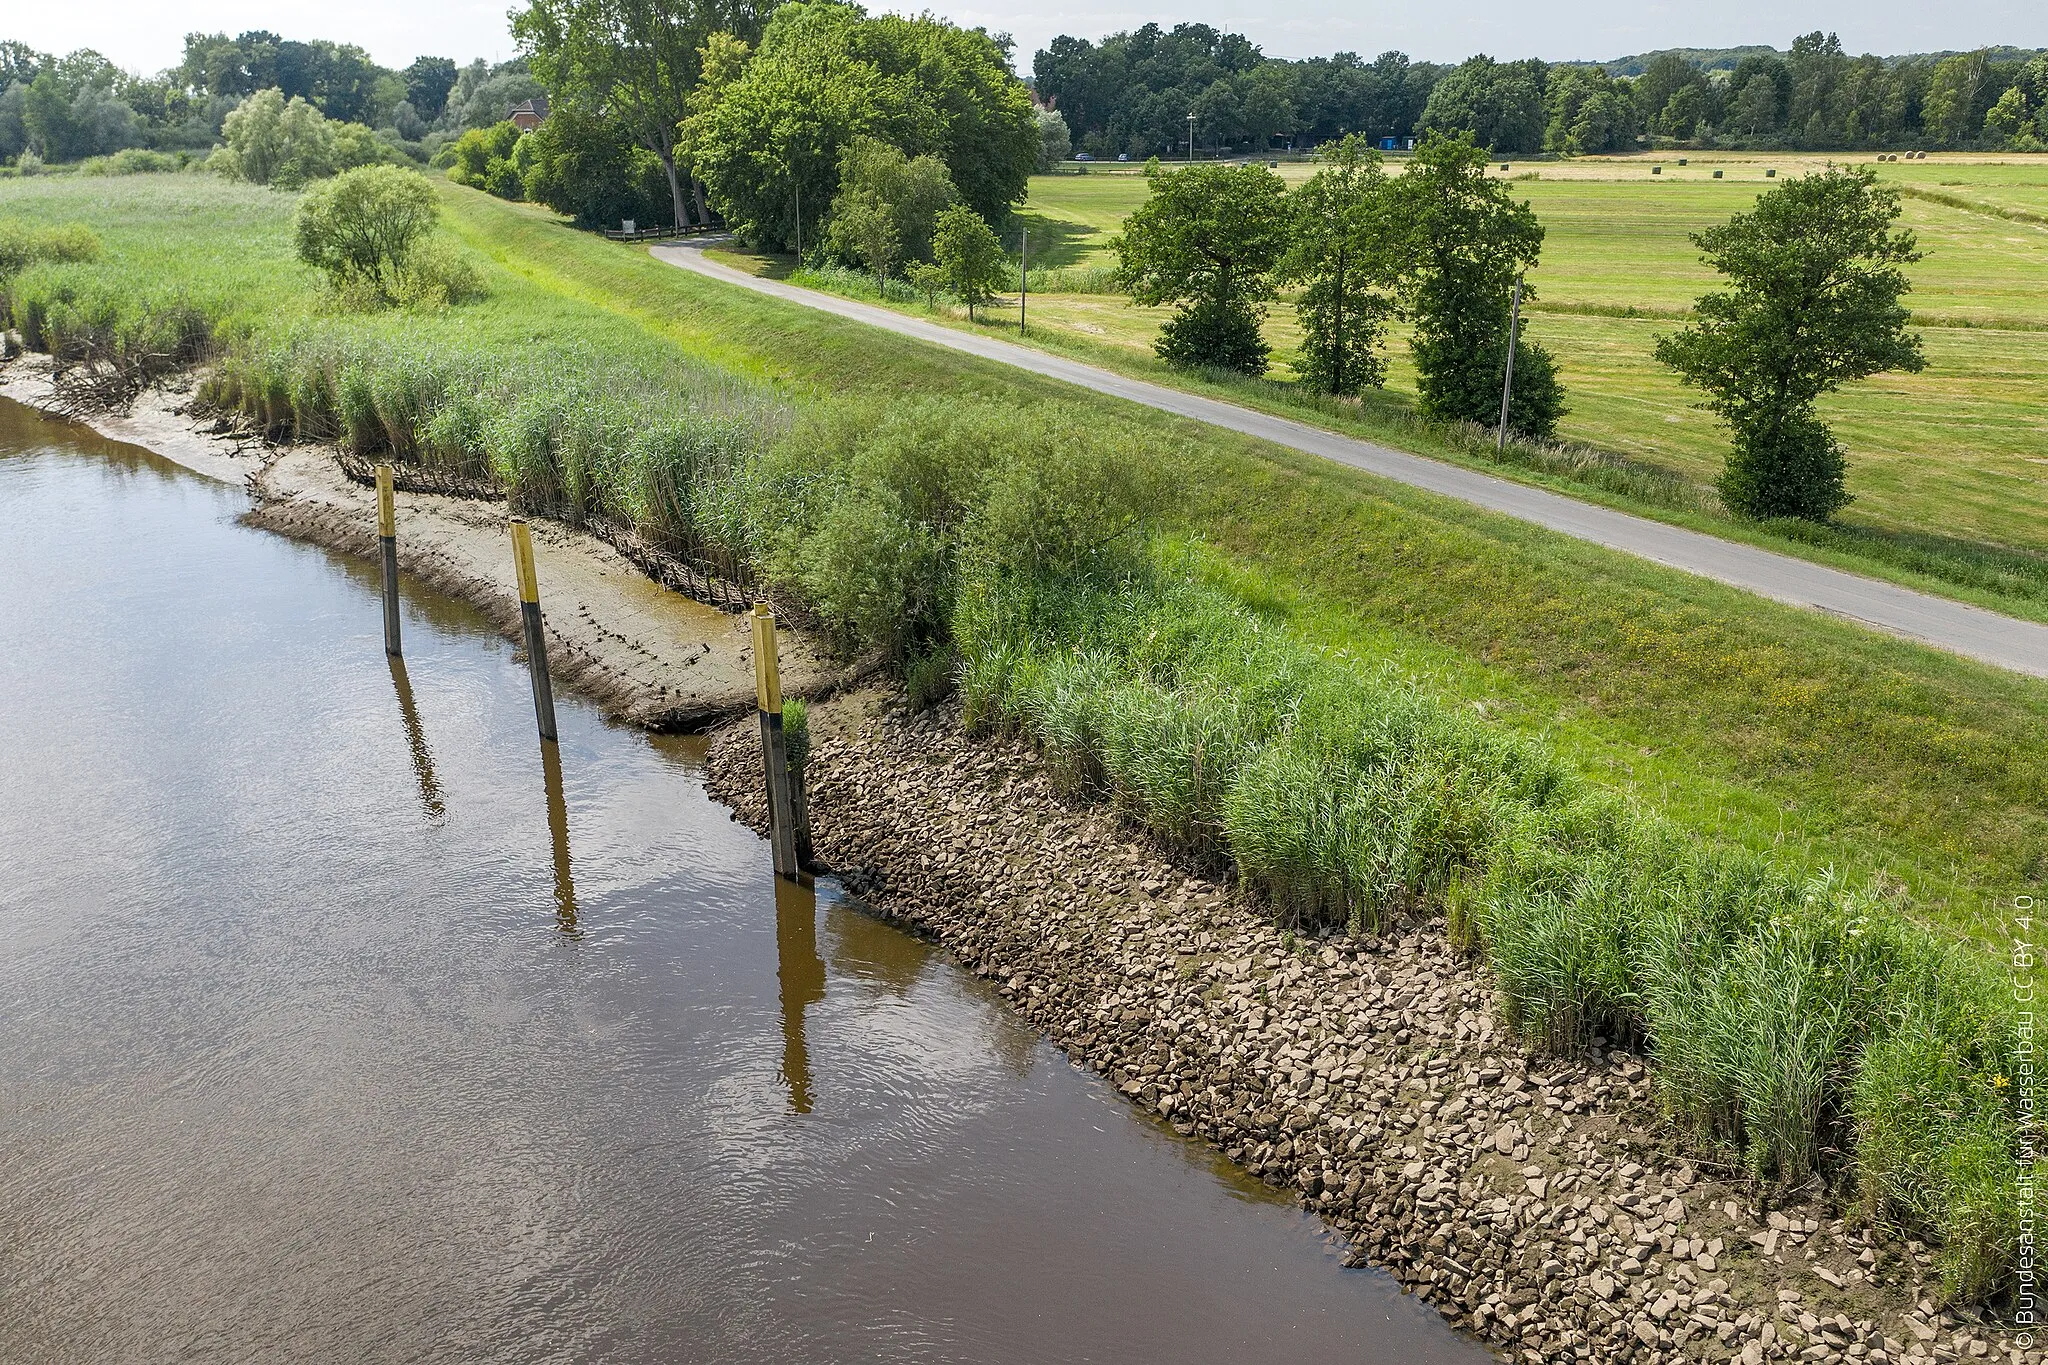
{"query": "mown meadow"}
[(1944, 465), (1779, 852)]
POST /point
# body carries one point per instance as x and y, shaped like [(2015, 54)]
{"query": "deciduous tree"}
[(911, 190), (827, 73), (1054, 140), (270, 140), (1464, 242), (1814, 303), (1499, 103), (1208, 239), (636, 60), (928, 279), (427, 83), (864, 227), (1342, 252), (970, 258), (586, 166)]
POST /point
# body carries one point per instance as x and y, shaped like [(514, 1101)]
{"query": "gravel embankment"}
[(1534, 1200)]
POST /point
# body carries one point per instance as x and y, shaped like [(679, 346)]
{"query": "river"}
[(344, 1023)]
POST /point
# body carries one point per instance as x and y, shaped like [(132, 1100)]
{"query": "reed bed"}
[(1799, 1025), (571, 412)]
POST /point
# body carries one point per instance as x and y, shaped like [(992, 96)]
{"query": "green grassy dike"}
[(1665, 809)]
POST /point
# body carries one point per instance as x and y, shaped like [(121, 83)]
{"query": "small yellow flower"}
[(1999, 1082)]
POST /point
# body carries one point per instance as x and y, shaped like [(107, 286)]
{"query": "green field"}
[(1956, 452)]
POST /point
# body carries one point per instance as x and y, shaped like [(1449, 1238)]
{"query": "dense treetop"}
[(772, 130), (63, 108), (1131, 94)]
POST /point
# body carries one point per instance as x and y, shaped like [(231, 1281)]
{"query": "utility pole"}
[(1023, 273), (1191, 135), (799, 225), (1507, 383)]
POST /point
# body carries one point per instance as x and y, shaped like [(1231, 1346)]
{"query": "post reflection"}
[(801, 974), (558, 831), (416, 740)]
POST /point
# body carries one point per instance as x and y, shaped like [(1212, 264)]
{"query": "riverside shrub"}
[(25, 244), (362, 228), (874, 517), (656, 446)]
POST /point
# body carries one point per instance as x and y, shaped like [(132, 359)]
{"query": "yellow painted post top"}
[(767, 669), (522, 561), (387, 515)]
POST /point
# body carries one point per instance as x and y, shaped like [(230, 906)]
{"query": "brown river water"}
[(342, 1023)]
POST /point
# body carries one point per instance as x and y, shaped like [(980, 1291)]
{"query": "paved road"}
[(1954, 626)]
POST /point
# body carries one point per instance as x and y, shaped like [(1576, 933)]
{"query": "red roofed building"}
[(529, 114)]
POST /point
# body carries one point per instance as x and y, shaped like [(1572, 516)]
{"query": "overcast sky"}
[(147, 34)]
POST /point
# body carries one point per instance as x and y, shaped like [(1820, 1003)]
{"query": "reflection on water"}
[(416, 741), (291, 1073), (558, 835), (800, 975)]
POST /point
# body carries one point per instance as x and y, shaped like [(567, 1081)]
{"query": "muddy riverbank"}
[(1539, 1203), (652, 657)]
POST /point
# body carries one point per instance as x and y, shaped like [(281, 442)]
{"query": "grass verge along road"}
[(1954, 626)]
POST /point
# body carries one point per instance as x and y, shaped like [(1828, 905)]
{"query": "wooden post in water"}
[(1507, 383), (387, 541), (536, 634), (774, 750), (558, 833)]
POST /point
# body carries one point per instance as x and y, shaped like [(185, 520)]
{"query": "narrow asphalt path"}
[(1957, 627)]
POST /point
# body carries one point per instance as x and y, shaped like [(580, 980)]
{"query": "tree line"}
[(68, 108), (1814, 275), (1441, 244), (1132, 93)]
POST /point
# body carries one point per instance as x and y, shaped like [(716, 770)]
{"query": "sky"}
[(147, 35)]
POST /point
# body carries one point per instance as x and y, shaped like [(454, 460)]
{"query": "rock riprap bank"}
[(1534, 1200)]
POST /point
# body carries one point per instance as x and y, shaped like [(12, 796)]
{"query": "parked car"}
[(1082, 156), (1123, 156)]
